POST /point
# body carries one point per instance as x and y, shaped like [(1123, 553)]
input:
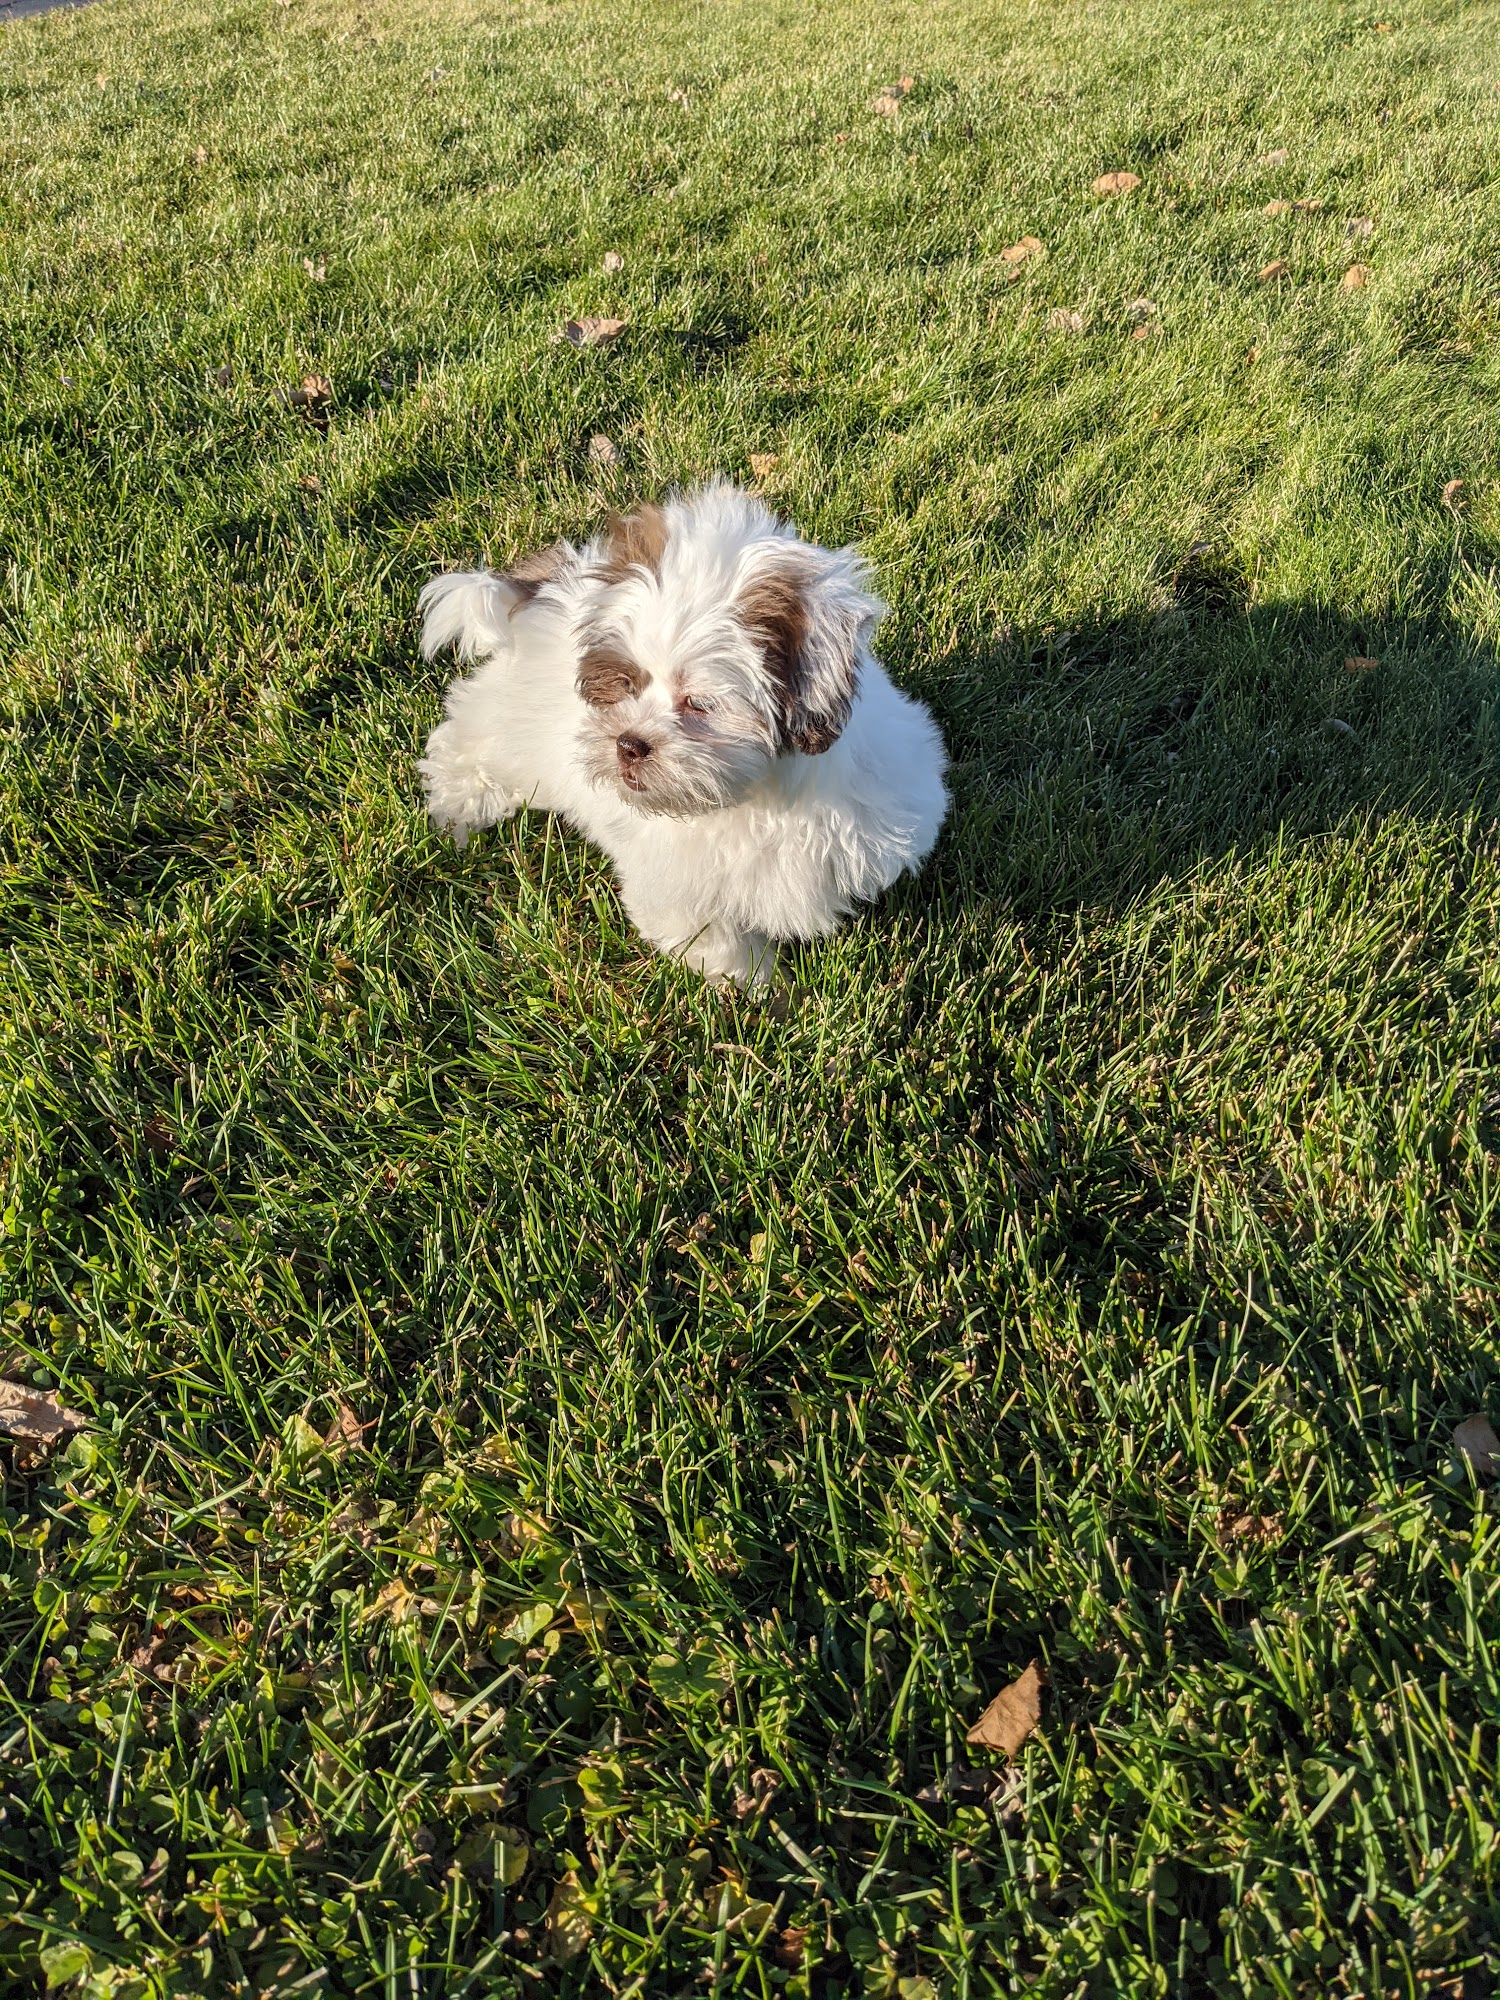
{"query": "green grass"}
[(1099, 1248)]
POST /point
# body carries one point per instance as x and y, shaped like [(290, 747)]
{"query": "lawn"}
[(569, 1452)]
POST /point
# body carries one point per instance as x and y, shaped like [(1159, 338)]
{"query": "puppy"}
[(694, 690)]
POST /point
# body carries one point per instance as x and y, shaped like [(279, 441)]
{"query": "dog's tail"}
[(470, 610)]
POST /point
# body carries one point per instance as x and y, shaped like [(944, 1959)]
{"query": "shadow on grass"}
[(1090, 763)]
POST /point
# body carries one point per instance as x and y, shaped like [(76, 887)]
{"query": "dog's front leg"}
[(714, 947), (464, 787)]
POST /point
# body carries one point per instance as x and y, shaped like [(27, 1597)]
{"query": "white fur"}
[(726, 837)]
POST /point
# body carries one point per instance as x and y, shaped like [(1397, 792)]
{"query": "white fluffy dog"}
[(695, 691)]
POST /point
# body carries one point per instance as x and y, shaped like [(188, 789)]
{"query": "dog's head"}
[(711, 642)]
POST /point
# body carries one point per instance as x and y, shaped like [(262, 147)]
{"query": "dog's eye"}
[(693, 705)]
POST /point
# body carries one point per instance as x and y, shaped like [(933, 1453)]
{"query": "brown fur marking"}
[(532, 573), (636, 541), (772, 610), (607, 674)]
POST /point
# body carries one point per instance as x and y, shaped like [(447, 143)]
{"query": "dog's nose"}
[(633, 749)]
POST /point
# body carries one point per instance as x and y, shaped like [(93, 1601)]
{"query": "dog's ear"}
[(809, 612), (472, 609), (534, 573), (633, 541)]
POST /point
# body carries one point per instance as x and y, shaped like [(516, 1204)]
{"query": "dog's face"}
[(710, 644)]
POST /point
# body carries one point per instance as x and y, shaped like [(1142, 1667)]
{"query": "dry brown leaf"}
[(1476, 1440), (1361, 225), (1140, 310), (1012, 1715), (613, 261), (396, 1601), (568, 1926), (158, 1136), (314, 392), (310, 483), (1062, 319), (1120, 183), (1356, 277), (1276, 158), (1277, 268), (764, 465), (1360, 663), (318, 271), (1456, 495), (790, 1947), (35, 1419), (1249, 1527), (346, 1432), (200, 156), (889, 99), (601, 451), (590, 331), (1276, 208), (1252, 355), (1020, 253)]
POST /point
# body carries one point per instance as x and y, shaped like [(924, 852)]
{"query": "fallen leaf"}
[(1276, 158), (764, 1785), (590, 331), (200, 156), (1456, 495), (1356, 277), (961, 1786), (317, 272), (314, 392), (763, 464), (1361, 225), (153, 1657), (568, 1926), (601, 451), (1120, 183), (346, 1432), (1276, 208), (1249, 1527), (35, 1419), (396, 1600), (891, 94), (1478, 1444), (1012, 1715), (1062, 319), (790, 1947), (1360, 663), (492, 1847), (1277, 268), (1020, 253), (1140, 310), (1252, 355), (1383, 28), (613, 261), (158, 1136), (587, 1609), (310, 483)]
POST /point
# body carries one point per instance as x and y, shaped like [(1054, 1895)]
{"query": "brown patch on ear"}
[(607, 674), (773, 610), (636, 541), (535, 572)]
